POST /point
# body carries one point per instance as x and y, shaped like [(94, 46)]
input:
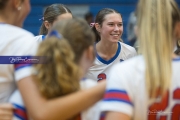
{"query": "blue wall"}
[(33, 24)]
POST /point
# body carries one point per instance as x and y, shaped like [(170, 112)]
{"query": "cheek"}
[(121, 29), (106, 30)]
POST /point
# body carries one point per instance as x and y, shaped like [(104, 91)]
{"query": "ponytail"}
[(43, 30), (97, 36), (155, 26), (60, 76)]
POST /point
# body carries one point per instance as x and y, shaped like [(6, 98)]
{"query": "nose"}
[(116, 28)]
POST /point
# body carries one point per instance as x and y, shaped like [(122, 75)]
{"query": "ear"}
[(177, 30), (17, 4), (47, 24), (97, 26)]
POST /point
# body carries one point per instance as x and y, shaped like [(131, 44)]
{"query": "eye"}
[(120, 24), (110, 24)]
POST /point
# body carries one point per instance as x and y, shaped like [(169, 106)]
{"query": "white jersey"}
[(14, 42), (126, 93), (91, 113), (19, 112), (39, 38), (101, 67)]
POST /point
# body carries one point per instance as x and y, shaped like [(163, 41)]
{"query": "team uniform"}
[(126, 93), (101, 67), (91, 113), (14, 42), (39, 38)]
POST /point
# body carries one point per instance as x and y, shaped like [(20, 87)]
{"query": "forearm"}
[(116, 116), (61, 107), (73, 104)]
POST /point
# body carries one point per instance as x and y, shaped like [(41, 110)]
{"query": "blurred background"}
[(81, 8)]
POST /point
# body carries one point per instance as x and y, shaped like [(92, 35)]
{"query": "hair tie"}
[(41, 19), (55, 33), (92, 25)]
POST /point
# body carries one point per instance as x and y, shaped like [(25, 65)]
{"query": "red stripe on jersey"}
[(117, 96), (21, 113), (18, 66)]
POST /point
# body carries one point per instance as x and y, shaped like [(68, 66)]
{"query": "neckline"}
[(110, 60)]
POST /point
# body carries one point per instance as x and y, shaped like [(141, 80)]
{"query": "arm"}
[(116, 116), (62, 107), (6, 111)]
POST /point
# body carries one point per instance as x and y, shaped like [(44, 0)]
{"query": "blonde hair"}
[(156, 21), (61, 75)]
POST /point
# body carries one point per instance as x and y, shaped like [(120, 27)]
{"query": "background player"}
[(53, 13), (108, 28), (147, 87)]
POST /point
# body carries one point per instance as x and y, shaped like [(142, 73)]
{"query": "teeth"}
[(115, 35)]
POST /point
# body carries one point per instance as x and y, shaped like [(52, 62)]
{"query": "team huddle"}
[(85, 72)]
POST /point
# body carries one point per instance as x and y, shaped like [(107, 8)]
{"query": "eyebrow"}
[(113, 22)]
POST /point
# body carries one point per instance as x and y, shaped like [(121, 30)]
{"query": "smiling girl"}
[(108, 28)]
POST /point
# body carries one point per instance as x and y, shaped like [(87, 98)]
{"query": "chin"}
[(115, 41)]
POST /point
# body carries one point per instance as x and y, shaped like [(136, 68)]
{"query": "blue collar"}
[(112, 59)]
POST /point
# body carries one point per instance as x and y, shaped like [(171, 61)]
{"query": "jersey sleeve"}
[(28, 48), (134, 53), (19, 112), (128, 51), (118, 95)]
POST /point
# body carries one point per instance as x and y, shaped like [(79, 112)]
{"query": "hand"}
[(6, 111)]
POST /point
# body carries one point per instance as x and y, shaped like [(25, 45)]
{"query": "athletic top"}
[(126, 92)]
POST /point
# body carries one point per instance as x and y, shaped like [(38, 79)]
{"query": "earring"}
[(19, 8)]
